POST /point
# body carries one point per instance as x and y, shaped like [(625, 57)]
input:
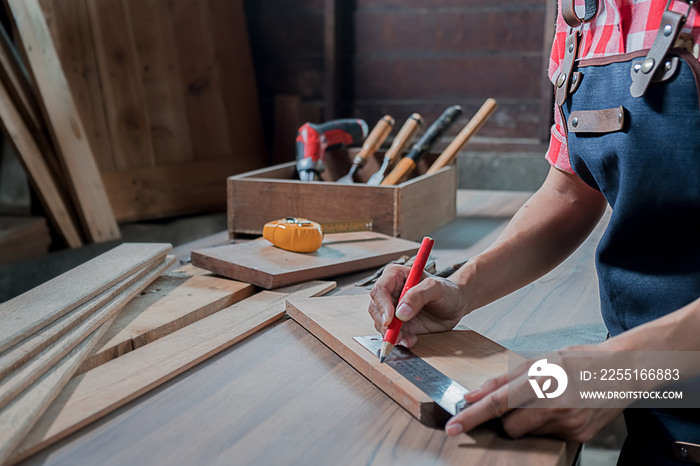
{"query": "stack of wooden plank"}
[(49, 331), (39, 117), (184, 317), (23, 238)]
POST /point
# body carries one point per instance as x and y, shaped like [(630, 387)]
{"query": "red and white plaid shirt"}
[(621, 26)]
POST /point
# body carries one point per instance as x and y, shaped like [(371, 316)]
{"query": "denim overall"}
[(646, 162)]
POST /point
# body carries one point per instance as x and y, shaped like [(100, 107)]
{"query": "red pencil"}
[(414, 276)]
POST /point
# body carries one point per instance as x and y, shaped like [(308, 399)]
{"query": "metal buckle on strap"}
[(671, 24)]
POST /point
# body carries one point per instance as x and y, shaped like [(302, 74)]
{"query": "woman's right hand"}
[(433, 305)]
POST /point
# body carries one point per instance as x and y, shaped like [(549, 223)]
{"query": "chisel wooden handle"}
[(404, 137), (424, 144), (374, 140), (450, 153)]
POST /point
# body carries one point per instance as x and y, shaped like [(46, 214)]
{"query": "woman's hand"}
[(433, 305), (511, 397)]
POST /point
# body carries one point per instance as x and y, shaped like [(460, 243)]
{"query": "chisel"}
[(402, 139), (450, 153), (423, 146), (374, 140)]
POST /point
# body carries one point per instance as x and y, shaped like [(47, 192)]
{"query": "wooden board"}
[(167, 305), (18, 417), (12, 358), (264, 265), (49, 301), (40, 175), (276, 395), (65, 125), (25, 375), (463, 355), (14, 228), (105, 388)]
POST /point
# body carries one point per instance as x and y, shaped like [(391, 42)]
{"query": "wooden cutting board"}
[(463, 355), (262, 264)]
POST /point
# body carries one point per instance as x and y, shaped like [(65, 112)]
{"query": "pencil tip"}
[(382, 358)]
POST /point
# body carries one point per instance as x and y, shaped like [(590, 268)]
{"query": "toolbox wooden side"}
[(409, 210)]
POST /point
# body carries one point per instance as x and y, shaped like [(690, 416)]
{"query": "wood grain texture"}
[(44, 304), (40, 176), (71, 31), (183, 188), (105, 388), (65, 125), (122, 91), (277, 397), (158, 65), (18, 417), (203, 84), (465, 356), (264, 265), (24, 376), (14, 357), (167, 305)]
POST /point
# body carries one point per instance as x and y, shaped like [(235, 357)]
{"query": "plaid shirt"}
[(621, 26)]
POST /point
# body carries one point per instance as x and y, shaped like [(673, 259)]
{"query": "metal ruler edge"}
[(447, 393)]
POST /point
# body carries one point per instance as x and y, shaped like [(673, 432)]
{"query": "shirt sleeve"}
[(558, 151)]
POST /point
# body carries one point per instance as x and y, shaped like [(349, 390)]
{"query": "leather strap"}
[(563, 81), (568, 12), (604, 121), (671, 24)]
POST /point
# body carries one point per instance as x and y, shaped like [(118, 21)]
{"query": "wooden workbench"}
[(282, 397)]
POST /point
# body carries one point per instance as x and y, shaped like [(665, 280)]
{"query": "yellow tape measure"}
[(302, 235)]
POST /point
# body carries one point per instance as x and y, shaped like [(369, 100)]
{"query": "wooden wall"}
[(403, 56), (167, 94)]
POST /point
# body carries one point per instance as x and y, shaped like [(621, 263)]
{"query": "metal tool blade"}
[(376, 179), (447, 393)]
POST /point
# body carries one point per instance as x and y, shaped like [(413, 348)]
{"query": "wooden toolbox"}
[(410, 210)]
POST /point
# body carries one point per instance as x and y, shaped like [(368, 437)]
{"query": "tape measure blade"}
[(346, 226), (447, 393)]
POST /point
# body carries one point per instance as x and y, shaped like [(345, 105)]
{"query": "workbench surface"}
[(282, 397)]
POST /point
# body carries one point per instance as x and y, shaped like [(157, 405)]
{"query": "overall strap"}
[(568, 12), (671, 24)]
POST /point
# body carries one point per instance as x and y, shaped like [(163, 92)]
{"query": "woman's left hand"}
[(552, 416)]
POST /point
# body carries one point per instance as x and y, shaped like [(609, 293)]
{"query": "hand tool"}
[(313, 141), (444, 391), (414, 276), (302, 235), (402, 139), (447, 271), (424, 144), (374, 140), (450, 153)]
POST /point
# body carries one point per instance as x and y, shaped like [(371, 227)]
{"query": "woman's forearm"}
[(544, 232)]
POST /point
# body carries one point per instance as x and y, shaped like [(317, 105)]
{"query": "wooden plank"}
[(122, 90), (28, 373), (17, 82), (14, 357), (265, 265), (64, 122), (39, 173), (463, 355), (206, 113), (157, 65), (49, 301), (277, 395), (185, 188), (169, 304), (18, 417), (105, 388), (71, 31), (239, 93), (490, 204)]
